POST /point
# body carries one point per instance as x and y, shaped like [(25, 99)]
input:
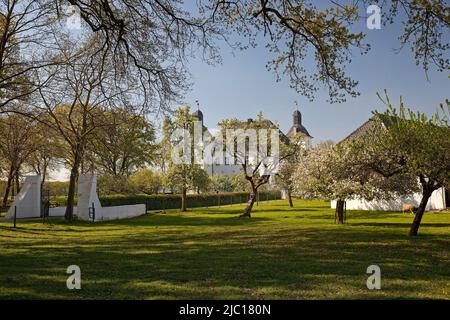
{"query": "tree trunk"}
[(184, 200), (71, 194), (44, 173), (340, 211), (426, 194), (250, 203), (289, 194), (8, 186), (17, 182)]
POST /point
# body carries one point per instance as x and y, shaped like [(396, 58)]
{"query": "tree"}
[(183, 173), (76, 98), (146, 181), (221, 183), (124, 144), (249, 143), (284, 179), (415, 145), (17, 144), (47, 155), (24, 33), (182, 177), (110, 184), (339, 173), (240, 184)]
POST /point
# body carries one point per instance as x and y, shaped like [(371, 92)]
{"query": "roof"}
[(370, 124), (298, 128)]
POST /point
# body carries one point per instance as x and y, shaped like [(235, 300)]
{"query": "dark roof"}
[(370, 124), (198, 114), (298, 128)]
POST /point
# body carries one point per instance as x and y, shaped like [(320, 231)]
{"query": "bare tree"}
[(24, 33), (17, 144)]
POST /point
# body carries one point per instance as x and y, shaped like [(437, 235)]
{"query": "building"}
[(440, 199), (223, 167)]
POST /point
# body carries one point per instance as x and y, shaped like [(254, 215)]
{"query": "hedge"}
[(173, 201)]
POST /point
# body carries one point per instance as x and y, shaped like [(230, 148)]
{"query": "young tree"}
[(183, 177), (284, 179), (183, 174)]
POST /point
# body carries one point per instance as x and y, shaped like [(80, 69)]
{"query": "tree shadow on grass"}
[(273, 262)]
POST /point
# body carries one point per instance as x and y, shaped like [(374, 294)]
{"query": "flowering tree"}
[(415, 145), (338, 172)]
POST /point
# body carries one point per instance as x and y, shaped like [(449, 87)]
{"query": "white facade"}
[(436, 202), (28, 202)]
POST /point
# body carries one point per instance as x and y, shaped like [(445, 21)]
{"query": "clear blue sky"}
[(241, 87)]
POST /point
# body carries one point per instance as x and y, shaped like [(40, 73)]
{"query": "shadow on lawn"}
[(274, 262)]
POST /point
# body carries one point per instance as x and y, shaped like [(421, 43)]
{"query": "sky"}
[(241, 87)]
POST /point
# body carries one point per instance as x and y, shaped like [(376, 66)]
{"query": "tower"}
[(296, 118), (297, 126)]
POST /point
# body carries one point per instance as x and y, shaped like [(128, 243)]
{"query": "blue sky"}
[(241, 87)]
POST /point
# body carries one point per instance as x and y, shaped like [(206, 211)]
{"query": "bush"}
[(173, 201)]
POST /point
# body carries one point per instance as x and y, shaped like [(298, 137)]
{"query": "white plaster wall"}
[(60, 211), (28, 201), (436, 202), (120, 212), (87, 195)]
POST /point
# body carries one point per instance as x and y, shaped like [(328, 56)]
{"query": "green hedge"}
[(173, 201)]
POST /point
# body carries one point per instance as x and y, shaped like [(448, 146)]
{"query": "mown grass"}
[(209, 253)]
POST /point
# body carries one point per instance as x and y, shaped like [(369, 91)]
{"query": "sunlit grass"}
[(209, 253)]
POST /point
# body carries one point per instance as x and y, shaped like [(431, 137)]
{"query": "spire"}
[(296, 116), (198, 114)]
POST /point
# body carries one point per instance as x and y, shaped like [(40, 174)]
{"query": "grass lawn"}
[(280, 253)]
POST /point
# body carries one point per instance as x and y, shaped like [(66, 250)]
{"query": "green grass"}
[(280, 253)]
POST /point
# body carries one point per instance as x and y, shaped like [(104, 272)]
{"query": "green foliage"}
[(221, 183), (113, 184), (126, 142), (146, 181)]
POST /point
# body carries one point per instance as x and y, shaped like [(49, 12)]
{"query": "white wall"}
[(436, 202), (60, 211), (28, 201), (87, 195)]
